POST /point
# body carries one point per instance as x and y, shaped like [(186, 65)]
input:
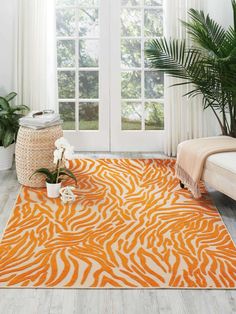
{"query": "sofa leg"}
[(181, 185)]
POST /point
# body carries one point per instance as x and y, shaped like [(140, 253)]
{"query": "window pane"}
[(88, 22), (88, 2), (154, 116), (131, 116), (66, 84), (88, 116), (153, 2), (65, 2), (131, 85), (131, 22), (65, 53), (88, 53), (130, 2), (153, 21), (130, 53), (154, 84), (89, 84), (67, 112), (65, 22)]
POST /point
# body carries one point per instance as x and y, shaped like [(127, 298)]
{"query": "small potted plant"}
[(63, 153), (9, 125)]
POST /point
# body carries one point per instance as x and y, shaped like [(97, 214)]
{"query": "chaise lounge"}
[(212, 160), (220, 173)]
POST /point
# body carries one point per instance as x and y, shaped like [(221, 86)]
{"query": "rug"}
[(130, 227)]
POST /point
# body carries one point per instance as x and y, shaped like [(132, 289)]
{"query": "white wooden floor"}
[(32, 301)]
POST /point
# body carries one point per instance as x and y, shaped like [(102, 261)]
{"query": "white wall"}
[(8, 21), (220, 10)]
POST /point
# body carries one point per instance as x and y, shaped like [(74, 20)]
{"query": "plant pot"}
[(6, 157), (53, 189)]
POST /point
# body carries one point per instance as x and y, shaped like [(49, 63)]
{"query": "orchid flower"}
[(61, 156)]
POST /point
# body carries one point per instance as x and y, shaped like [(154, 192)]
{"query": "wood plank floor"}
[(33, 301)]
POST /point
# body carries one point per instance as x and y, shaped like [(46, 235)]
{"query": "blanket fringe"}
[(184, 177)]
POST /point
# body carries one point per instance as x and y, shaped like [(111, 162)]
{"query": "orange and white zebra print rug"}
[(130, 227)]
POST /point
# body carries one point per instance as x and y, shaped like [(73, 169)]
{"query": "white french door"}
[(83, 72), (137, 104), (109, 99)]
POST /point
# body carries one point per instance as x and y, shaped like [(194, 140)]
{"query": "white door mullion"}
[(115, 73), (142, 64), (77, 72)]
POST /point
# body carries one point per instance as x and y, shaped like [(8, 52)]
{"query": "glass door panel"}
[(82, 73), (137, 91)]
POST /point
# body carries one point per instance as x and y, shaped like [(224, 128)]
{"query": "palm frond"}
[(205, 31), (229, 42), (234, 13), (209, 68), (173, 58)]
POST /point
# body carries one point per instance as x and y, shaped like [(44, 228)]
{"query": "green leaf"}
[(11, 96), (4, 105), (8, 138), (3, 113), (9, 119), (2, 130), (234, 12), (54, 177), (67, 172), (205, 31), (20, 108), (173, 58), (46, 172)]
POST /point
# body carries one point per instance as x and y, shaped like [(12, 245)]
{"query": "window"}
[(78, 63), (142, 89)]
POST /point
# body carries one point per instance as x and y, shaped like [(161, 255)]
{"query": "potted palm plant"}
[(208, 67), (62, 154), (9, 125)]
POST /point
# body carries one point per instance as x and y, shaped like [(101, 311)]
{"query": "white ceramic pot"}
[(6, 157), (53, 189)]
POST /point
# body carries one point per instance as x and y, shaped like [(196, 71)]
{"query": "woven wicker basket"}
[(34, 150)]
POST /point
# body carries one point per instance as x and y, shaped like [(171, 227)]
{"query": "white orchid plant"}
[(62, 154)]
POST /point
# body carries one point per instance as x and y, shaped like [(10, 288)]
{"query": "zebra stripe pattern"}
[(131, 226)]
